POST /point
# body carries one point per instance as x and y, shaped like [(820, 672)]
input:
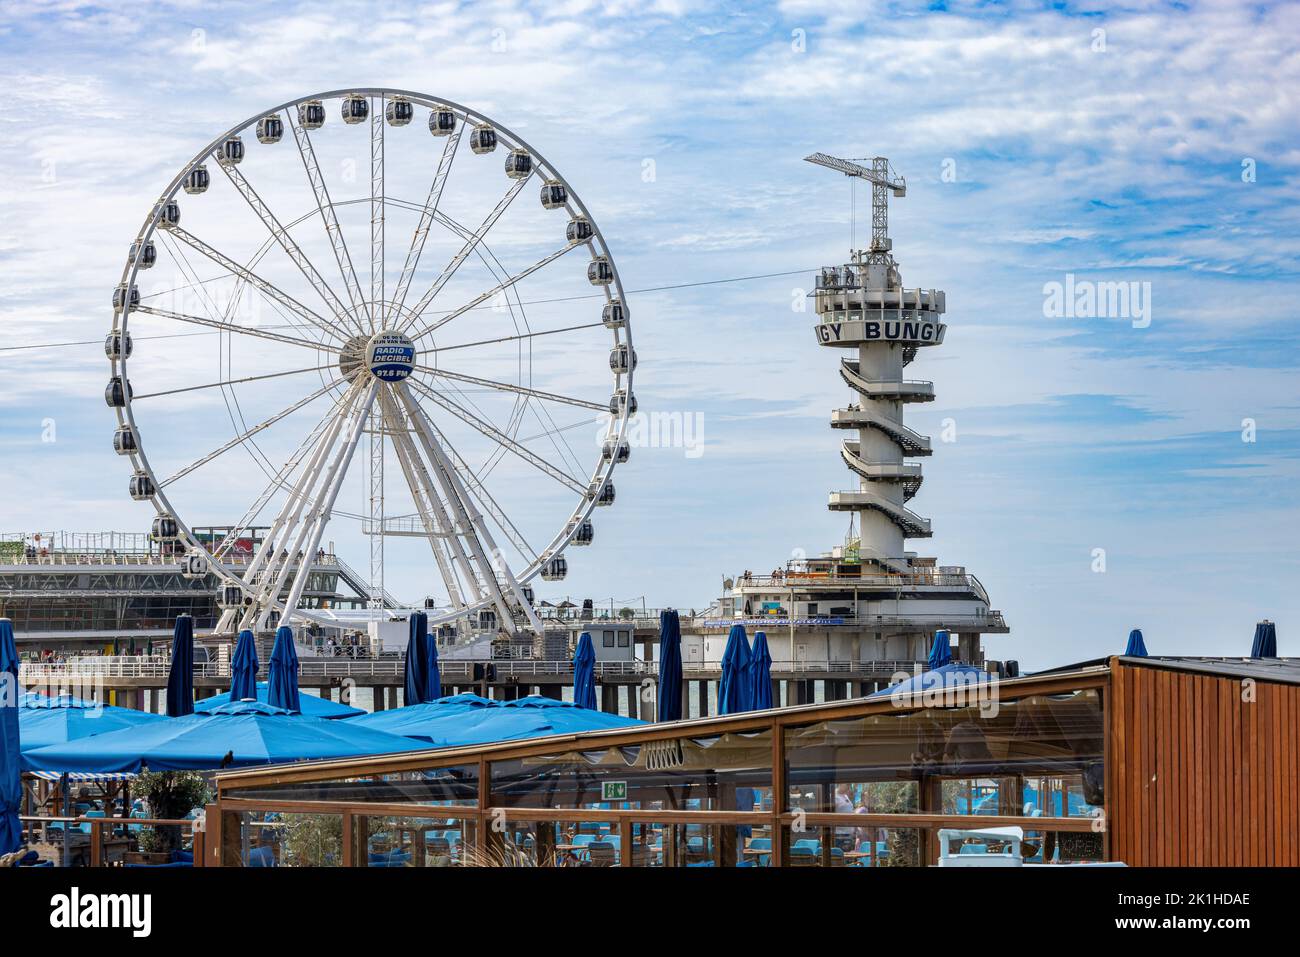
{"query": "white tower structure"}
[(864, 307), (852, 615)]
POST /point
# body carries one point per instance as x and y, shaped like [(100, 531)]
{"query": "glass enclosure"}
[(851, 784)]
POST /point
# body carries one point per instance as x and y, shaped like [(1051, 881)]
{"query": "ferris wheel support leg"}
[(325, 503), (475, 529), (443, 521), (271, 565), (425, 496), (264, 570)]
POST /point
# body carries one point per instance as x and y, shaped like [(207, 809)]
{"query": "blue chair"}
[(761, 844), (261, 857), (974, 849), (803, 856)]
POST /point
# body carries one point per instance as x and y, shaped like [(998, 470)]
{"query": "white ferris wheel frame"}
[(501, 587)]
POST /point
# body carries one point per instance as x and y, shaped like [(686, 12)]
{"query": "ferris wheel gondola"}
[(415, 413)]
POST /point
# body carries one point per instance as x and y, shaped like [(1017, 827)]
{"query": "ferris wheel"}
[(289, 364)]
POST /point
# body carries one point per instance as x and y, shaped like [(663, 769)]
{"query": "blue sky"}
[(1114, 156)]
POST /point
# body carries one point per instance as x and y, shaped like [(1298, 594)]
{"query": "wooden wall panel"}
[(1198, 775)]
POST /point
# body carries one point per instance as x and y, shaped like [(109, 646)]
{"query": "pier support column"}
[(702, 690), (609, 699), (647, 705)]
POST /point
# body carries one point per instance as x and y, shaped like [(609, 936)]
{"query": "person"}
[(844, 836)]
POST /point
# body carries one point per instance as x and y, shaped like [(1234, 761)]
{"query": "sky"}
[(1097, 471)]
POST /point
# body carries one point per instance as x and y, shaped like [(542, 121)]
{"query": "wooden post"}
[(625, 841)]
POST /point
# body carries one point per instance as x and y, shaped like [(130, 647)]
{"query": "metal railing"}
[(33, 674)]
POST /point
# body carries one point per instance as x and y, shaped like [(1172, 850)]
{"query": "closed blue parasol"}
[(760, 670), (180, 679), (1265, 643), (240, 734), (243, 667), (940, 651), (735, 688), (1137, 648), (670, 666), (584, 673), (416, 671), (282, 690), (309, 704), (11, 778)]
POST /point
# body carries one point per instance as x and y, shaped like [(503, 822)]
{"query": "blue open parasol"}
[(240, 734)]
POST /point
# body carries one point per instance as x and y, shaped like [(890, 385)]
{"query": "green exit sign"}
[(613, 790)]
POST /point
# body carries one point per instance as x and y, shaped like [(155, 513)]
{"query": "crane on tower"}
[(884, 180)]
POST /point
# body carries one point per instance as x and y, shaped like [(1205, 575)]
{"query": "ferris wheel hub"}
[(390, 356)]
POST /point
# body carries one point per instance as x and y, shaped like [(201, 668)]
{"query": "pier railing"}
[(453, 671)]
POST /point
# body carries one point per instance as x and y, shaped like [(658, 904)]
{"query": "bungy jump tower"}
[(871, 604)]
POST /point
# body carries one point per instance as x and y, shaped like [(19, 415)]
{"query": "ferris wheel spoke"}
[(333, 231), (233, 328), (496, 570), (496, 290), (257, 282), (226, 382), (501, 438), (470, 245), (281, 235), (427, 214), (517, 389), (377, 203), (270, 565), (240, 439), (514, 338), (319, 493), (485, 500), (279, 481)]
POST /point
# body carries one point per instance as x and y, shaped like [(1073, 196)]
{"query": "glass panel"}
[(417, 842), (271, 839), (853, 847), (435, 786), (726, 772), (967, 759)]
